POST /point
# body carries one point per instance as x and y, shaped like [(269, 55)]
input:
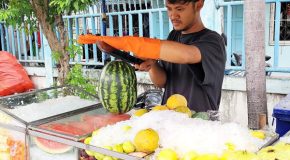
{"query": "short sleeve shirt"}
[(200, 83)]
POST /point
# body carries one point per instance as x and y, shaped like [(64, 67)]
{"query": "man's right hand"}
[(156, 73), (146, 65), (141, 47)]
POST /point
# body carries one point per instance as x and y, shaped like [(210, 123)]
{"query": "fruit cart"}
[(52, 123)]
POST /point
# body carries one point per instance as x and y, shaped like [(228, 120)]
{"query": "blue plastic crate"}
[(282, 114)]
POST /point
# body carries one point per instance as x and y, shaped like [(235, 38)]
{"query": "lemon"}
[(230, 146), (118, 148), (90, 153), (95, 132), (258, 134), (183, 109), (146, 140), (176, 100), (167, 154), (208, 157), (87, 141), (282, 146), (191, 155), (245, 155), (98, 155), (108, 147), (128, 147), (140, 112), (227, 154), (159, 108), (126, 128), (108, 158)]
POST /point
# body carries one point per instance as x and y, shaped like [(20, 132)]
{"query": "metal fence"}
[(228, 6), (26, 47), (146, 18)]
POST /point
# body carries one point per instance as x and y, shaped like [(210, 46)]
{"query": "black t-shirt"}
[(200, 83)]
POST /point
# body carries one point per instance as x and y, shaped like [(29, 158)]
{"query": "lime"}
[(167, 154), (128, 147)]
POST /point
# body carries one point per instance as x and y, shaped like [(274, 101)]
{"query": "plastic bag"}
[(13, 77)]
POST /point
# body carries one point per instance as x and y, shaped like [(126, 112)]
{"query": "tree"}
[(255, 60), (49, 15)]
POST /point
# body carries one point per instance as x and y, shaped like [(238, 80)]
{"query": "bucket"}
[(282, 114)]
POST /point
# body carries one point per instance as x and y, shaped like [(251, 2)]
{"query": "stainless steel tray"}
[(33, 106)]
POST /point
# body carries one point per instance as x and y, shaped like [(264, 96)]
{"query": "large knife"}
[(125, 56)]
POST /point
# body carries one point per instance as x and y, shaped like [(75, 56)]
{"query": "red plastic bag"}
[(13, 77)]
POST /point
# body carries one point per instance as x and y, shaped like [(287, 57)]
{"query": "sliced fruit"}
[(98, 121), (55, 147), (51, 146)]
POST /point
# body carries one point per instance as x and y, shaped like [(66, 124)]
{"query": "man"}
[(192, 60)]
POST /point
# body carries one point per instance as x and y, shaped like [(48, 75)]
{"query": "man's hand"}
[(142, 47), (146, 65)]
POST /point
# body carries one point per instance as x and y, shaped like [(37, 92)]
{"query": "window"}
[(284, 23)]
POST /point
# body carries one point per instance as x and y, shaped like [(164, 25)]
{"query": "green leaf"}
[(76, 5)]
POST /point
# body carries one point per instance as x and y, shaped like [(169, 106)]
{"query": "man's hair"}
[(181, 1)]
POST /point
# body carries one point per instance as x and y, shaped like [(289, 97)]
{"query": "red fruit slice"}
[(51, 146), (55, 147), (67, 129), (82, 126), (98, 121)]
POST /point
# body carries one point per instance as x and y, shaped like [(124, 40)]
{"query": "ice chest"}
[(282, 114)]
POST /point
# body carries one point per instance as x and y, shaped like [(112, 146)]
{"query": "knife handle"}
[(126, 57)]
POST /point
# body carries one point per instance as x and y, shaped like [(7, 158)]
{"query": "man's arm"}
[(157, 75), (175, 52), (148, 48)]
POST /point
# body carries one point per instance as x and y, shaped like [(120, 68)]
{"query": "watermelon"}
[(82, 126), (56, 147), (99, 121), (118, 87), (51, 146)]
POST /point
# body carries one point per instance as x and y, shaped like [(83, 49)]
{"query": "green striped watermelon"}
[(118, 87)]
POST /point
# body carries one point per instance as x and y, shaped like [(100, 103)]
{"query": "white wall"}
[(233, 107), (211, 17)]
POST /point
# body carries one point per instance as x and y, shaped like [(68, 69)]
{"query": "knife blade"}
[(125, 56)]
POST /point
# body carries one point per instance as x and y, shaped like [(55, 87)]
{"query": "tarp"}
[(13, 77)]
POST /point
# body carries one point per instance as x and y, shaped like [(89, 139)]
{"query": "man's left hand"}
[(146, 65)]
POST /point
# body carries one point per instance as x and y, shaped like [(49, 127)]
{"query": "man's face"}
[(182, 15)]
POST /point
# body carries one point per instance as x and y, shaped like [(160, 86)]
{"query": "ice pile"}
[(180, 133)]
